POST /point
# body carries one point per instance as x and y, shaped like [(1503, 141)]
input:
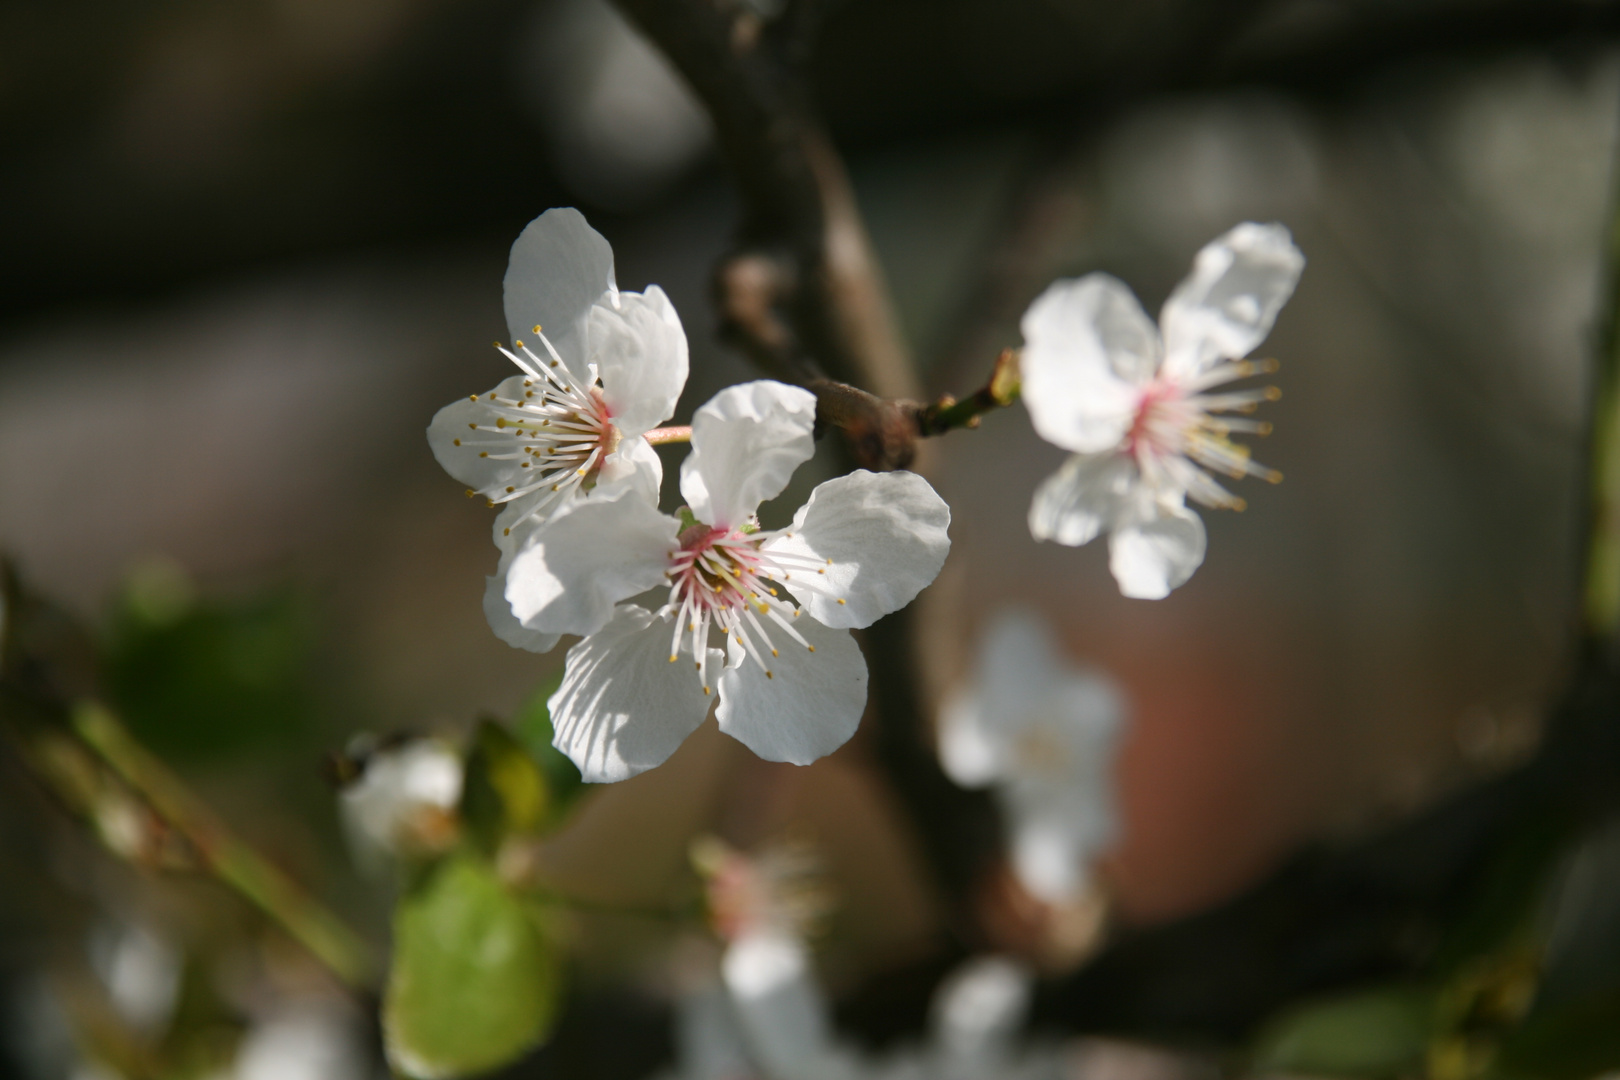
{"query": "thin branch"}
[(221, 852), (801, 293)]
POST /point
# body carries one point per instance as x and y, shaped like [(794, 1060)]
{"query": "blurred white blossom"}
[(303, 1040), (790, 689), (609, 368), (403, 801), (1137, 409), (141, 972), (1043, 735)]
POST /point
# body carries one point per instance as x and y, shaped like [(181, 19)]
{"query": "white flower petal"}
[(640, 353), (708, 1043), (882, 537), (1087, 347), (980, 1007), (1049, 858), (498, 612), (1156, 550), (576, 566), (559, 269), (810, 704), (782, 1011), (746, 442), (624, 706), (971, 747), (1011, 688), (636, 465), (1082, 498), (1227, 305), (457, 447)]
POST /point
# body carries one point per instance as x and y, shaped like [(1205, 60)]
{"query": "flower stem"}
[(1001, 390), (232, 861), (1601, 599), (676, 433)]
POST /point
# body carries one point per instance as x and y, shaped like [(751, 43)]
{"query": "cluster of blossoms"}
[(562, 445), (678, 612), (1141, 406), (767, 1018)]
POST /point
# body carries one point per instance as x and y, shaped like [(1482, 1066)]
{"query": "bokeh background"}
[(250, 248)]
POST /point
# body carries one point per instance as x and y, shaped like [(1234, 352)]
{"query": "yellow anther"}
[(1239, 505), (775, 653), (705, 691), (840, 599), (519, 344), (1273, 393), (510, 490), (554, 487), (672, 658), (1274, 476), (1265, 428), (554, 363), (483, 453), (506, 532), (528, 382), (472, 397), (812, 648), (696, 666), (456, 441), (471, 493), (537, 328), (500, 422), (768, 674), (525, 465), (490, 503), (492, 395), (474, 427)]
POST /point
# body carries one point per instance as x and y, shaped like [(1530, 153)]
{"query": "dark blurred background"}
[(249, 248)]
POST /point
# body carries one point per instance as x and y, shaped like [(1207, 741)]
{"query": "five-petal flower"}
[(1043, 735), (605, 367), (790, 688), (1138, 410)]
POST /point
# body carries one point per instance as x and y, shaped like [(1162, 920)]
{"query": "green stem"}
[(232, 861), (1601, 602), (1002, 390)]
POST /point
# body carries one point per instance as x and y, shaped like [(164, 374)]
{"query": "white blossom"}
[(790, 688), (604, 368), (1141, 411), (1043, 735), (403, 801)]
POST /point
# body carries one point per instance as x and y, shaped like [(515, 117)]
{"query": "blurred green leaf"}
[(199, 678), (533, 727), (1380, 1032), (475, 979), (504, 792), (1579, 1040)]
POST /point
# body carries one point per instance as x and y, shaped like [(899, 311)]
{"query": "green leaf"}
[(475, 980), (1378, 1032), (1576, 1041), (533, 727), (504, 792)]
